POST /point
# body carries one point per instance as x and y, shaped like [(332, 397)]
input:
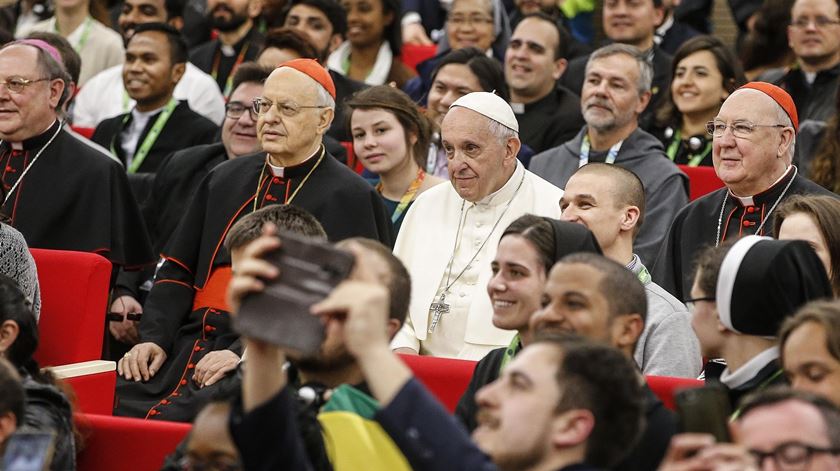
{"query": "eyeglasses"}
[(819, 22), (235, 110), (690, 303), (791, 456), (474, 20), (287, 108), (17, 84), (742, 129)]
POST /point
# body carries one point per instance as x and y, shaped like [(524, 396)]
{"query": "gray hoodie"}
[(666, 187)]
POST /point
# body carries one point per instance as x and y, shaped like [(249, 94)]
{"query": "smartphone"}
[(279, 315), (28, 451), (704, 410)]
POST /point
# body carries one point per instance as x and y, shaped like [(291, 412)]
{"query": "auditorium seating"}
[(413, 54), (701, 180), (120, 443), (86, 132), (665, 387), (74, 298), (352, 162), (446, 378)]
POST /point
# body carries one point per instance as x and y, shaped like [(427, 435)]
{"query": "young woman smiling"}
[(391, 138), (372, 49), (527, 250), (704, 73)]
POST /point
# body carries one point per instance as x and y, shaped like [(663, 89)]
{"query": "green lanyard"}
[(737, 413), (141, 153), (612, 154), (510, 352), (85, 34), (694, 159), (644, 276)]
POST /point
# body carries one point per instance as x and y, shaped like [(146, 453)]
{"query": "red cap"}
[(779, 96), (314, 70)]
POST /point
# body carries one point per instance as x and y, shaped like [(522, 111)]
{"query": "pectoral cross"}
[(438, 309)]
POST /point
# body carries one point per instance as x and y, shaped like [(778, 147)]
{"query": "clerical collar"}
[(662, 30), (506, 192), (750, 369), (548, 100), (747, 201), (293, 170), (36, 142)]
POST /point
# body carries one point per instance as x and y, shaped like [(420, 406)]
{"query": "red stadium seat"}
[(74, 297), (701, 180), (352, 162), (112, 443), (86, 132), (446, 378), (413, 54), (665, 387)]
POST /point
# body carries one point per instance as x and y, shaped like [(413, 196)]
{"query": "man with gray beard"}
[(615, 92)]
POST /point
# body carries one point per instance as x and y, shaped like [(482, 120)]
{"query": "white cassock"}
[(425, 244)]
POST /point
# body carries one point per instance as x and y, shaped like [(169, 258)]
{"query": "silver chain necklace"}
[(440, 307), (26, 169), (766, 216)]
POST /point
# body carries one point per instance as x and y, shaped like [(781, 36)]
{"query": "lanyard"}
[(764, 384), (141, 153), (85, 34), (510, 352), (694, 159), (584, 152), (407, 197), (214, 72), (644, 276)]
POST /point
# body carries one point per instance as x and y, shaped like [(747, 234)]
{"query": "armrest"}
[(93, 383)]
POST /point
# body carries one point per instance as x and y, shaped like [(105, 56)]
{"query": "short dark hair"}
[(399, 282), (335, 13), (564, 38), (829, 411), (625, 185), (285, 216), (69, 57), (11, 391), (602, 380), (16, 308), (542, 233), (249, 72), (707, 267), (288, 38), (825, 211), (177, 45), (624, 292), (490, 74)]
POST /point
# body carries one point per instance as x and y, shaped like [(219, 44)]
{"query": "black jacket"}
[(47, 409)]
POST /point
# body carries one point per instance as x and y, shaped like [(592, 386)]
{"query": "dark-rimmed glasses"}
[(235, 110), (791, 456), (690, 303)]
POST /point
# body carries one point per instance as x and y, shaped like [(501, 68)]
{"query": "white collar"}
[(663, 29), (381, 68), (507, 191), (739, 377), (748, 200)]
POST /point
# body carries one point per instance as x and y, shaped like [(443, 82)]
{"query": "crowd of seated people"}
[(511, 189)]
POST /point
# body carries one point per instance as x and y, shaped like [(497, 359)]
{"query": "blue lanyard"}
[(584, 152)]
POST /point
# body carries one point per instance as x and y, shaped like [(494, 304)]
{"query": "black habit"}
[(549, 121), (695, 227), (185, 313), (73, 198)]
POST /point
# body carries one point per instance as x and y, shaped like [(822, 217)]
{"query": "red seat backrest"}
[(87, 132), (446, 378), (413, 54), (701, 180), (665, 387), (74, 297), (112, 443), (352, 162)]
